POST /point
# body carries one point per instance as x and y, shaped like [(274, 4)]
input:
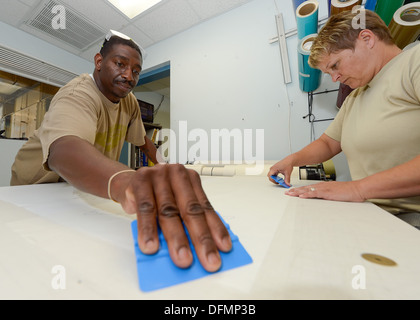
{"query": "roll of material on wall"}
[(370, 5), (386, 9), (307, 18), (309, 78), (405, 24), (338, 6)]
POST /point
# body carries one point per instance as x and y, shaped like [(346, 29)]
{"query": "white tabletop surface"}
[(301, 249)]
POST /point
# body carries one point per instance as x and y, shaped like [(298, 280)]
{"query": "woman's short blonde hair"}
[(342, 30)]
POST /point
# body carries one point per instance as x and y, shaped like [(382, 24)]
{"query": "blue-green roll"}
[(309, 78), (307, 18)]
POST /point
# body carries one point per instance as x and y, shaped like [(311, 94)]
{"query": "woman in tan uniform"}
[(378, 125)]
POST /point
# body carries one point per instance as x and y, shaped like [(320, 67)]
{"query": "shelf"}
[(148, 126)]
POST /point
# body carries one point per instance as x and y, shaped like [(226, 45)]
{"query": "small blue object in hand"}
[(280, 181)]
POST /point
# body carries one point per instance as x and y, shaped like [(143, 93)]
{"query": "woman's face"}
[(350, 67)]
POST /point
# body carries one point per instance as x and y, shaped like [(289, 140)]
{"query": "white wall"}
[(226, 74)]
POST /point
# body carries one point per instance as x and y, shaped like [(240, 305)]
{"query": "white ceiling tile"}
[(12, 12), (90, 53), (175, 16), (207, 9), (136, 34), (29, 3), (131, 31)]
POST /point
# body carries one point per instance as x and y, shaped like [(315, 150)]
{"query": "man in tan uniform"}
[(378, 125), (80, 141)]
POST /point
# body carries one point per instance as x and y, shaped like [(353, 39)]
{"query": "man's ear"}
[(98, 61), (368, 37)]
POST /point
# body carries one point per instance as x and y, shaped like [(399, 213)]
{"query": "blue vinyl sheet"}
[(158, 271)]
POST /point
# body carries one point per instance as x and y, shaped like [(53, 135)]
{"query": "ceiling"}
[(87, 22), (162, 87), (166, 19)]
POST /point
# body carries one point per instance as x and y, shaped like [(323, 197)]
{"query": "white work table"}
[(301, 249)]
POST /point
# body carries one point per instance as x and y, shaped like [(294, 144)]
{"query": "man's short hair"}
[(339, 33), (108, 44)]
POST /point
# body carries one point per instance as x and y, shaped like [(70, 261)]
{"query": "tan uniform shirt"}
[(79, 109), (379, 124)]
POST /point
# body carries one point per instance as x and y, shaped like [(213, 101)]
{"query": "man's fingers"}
[(142, 192), (170, 221), (174, 197), (193, 215), (217, 228)]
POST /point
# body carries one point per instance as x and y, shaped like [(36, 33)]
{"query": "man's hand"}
[(166, 194), (172, 195)]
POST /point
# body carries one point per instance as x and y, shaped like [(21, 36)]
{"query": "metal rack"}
[(311, 117)]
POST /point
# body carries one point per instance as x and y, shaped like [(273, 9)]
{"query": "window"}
[(23, 104)]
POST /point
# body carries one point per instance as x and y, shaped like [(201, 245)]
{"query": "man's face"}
[(352, 68), (118, 71)]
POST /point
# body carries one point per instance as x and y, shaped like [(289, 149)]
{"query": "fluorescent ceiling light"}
[(133, 8)]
